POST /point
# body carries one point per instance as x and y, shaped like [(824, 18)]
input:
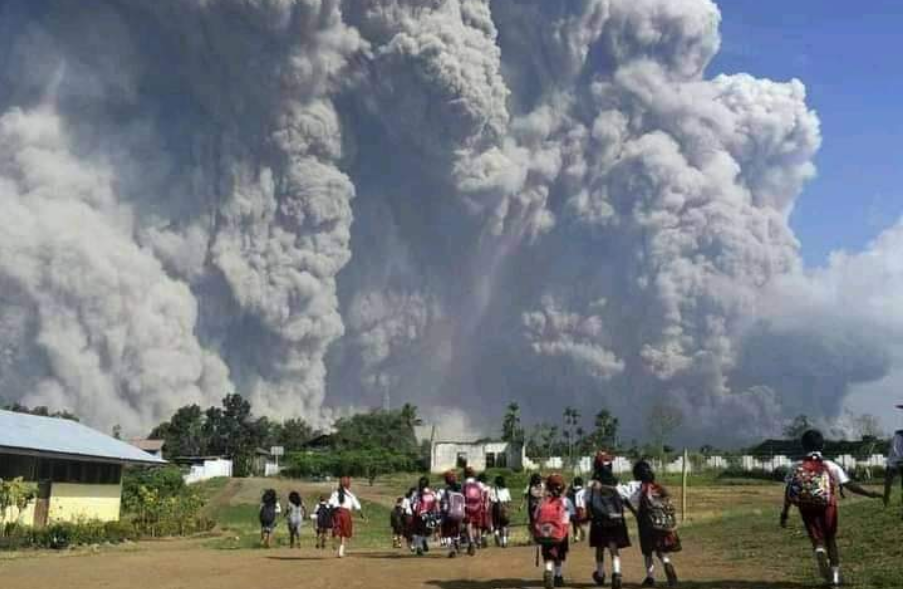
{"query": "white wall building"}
[(446, 456)]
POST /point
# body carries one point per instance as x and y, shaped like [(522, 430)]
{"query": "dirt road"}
[(184, 565)]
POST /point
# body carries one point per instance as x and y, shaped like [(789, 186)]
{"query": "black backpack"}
[(324, 517), (606, 507), (268, 514)]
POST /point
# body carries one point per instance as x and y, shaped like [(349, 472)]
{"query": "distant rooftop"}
[(68, 439), (147, 445)]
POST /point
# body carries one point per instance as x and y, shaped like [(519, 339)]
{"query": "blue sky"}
[(849, 56)]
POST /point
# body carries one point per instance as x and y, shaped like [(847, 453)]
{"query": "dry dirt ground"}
[(178, 565), (189, 564)]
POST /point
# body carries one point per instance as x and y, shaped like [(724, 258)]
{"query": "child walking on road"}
[(656, 521), (294, 516), (552, 530), (813, 485)]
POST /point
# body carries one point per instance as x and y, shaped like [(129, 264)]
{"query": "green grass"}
[(870, 546), (240, 528)]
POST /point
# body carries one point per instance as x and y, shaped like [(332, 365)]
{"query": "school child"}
[(575, 490), (269, 510), (343, 504), (813, 485), (322, 515), (453, 507), (894, 465), (396, 521), (426, 515), (500, 500), (474, 498), (407, 506), (656, 521), (604, 506), (533, 494), (294, 516), (486, 516), (551, 530)]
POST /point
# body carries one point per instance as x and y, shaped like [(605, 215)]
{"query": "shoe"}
[(559, 581), (648, 582), (471, 550), (616, 581), (453, 554), (824, 569), (426, 548), (548, 580), (419, 552), (671, 574), (599, 579)]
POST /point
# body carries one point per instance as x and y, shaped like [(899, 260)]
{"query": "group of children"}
[(602, 505), (460, 514), (331, 517)]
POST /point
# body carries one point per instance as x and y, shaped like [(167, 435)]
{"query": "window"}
[(490, 459), (13, 466), (78, 471), (461, 462)]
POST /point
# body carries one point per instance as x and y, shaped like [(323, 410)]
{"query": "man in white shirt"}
[(894, 464)]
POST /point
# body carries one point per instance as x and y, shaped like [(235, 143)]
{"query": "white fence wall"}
[(210, 469), (621, 465)]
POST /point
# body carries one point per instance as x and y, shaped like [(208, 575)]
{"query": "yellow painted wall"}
[(25, 517), (75, 502)]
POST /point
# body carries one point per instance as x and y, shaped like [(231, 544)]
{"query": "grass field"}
[(731, 541)]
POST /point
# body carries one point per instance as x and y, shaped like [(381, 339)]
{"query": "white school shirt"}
[(406, 506), (628, 492), (895, 454), (838, 475), (497, 495), (351, 503)]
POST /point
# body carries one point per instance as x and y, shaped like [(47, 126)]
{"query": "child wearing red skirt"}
[(343, 503)]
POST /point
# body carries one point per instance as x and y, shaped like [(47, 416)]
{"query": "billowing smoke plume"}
[(456, 203)]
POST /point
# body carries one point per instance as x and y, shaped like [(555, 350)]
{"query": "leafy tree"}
[(797, 427), (662, 421), (511, 425), (185, 433), (571, 421), (292, 434), (377, 429), (409, 417), (605, 432), (41, 411)]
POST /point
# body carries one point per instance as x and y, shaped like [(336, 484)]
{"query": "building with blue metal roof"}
[(76, 470)]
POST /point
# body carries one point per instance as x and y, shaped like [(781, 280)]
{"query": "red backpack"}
[(426, 503), (552, 522), (473, 498), (810, 484)]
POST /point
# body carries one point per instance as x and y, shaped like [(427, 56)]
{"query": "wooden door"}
[(42, 504)]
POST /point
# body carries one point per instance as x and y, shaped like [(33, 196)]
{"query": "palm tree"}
[(409, 416)]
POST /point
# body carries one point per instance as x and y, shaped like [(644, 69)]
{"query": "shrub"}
[(61, 535), (161, 504)]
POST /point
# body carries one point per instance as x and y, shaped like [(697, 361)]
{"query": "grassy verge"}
[(240, 528), (870, 546)]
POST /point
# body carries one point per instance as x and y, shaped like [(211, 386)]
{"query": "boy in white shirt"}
[(500, 500), (813, 485)]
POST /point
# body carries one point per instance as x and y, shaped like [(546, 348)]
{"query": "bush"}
[(161, 504), (62, 535), (357, 463)]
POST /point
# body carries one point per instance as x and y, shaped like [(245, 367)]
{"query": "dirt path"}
[(185, 565)]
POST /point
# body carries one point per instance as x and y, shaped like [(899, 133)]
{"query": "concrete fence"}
[(747, 463)]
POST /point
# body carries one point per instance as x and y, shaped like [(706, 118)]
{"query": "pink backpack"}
[(473, 498), (454, 506), (426, 503), (552, 523)]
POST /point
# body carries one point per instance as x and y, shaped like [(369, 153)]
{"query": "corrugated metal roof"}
[(62, 436)]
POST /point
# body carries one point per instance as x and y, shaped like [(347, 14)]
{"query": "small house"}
[(152, 447), (76, 470), (446, 456)]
